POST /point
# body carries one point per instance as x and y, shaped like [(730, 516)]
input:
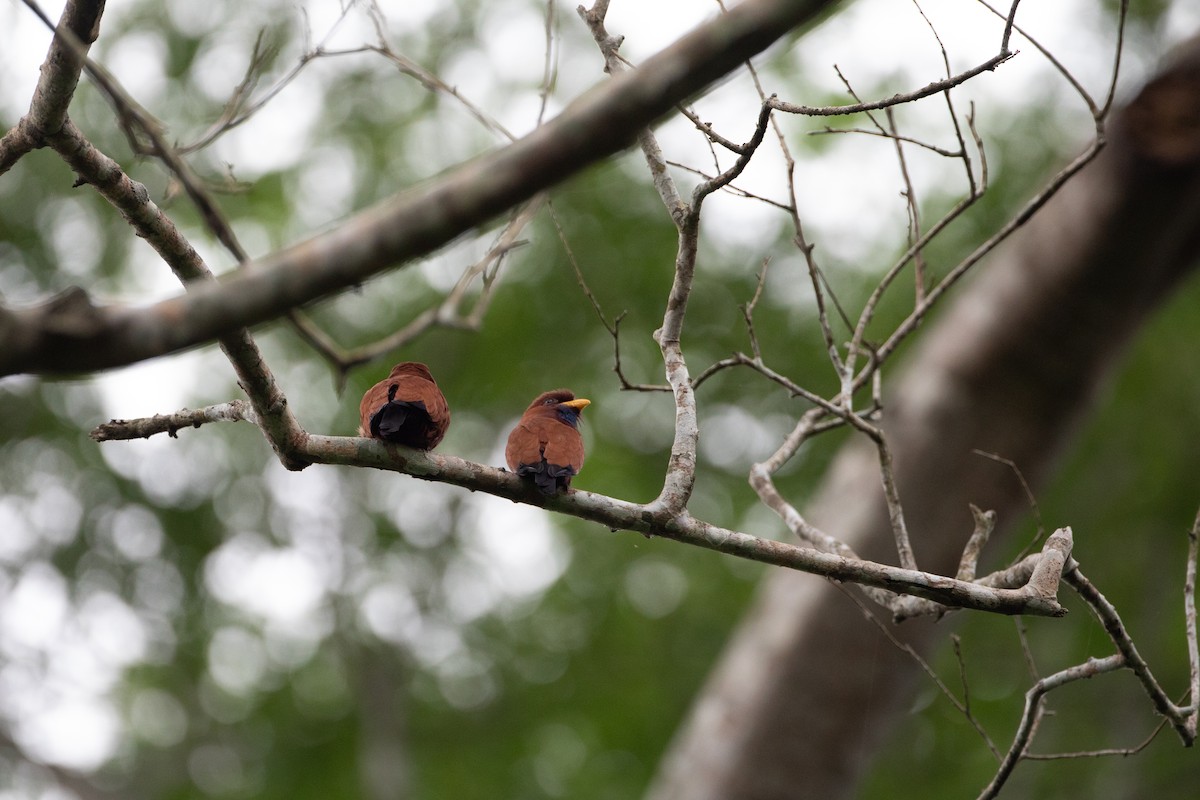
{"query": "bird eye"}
[(548, 402)]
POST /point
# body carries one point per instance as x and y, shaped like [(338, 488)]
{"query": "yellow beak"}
[(579, 404)]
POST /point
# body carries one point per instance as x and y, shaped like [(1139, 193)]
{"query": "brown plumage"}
[(408, 408), (546, 446)]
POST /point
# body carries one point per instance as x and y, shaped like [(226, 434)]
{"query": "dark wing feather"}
[(407, 408), (400, 421)]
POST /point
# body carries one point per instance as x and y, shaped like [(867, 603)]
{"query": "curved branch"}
[(651, 520)]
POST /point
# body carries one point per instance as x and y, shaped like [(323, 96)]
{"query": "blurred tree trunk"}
[(806, 690)]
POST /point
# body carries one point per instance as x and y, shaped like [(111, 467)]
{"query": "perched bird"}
[(408, 408), (546, 445)]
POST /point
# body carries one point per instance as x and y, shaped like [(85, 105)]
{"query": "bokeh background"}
[(182, 617)]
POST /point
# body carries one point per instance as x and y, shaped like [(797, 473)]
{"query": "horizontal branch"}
[(415, 222), (649, 520), (1028, 588)]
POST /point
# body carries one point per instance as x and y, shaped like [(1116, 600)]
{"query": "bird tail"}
[(548, 478)]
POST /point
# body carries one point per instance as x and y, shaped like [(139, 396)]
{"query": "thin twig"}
[(451, 312), (550, 64), (1101, 752), (1189, 613), (748, 311), (913, 208), (1030, 498), (891, 492), (708, 131), (897, 99), (985, 523), (963, 707), (613, 328), (171, 424), (933, 148), (913, 320), (1026, 650), (239, 109)]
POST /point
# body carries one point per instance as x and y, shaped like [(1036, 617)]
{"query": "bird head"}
[(411, 368), (561, 403)]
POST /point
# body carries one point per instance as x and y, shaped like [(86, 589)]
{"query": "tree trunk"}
[(806, 690)]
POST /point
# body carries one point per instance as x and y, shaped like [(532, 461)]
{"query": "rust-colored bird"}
[(408, 408), (546, 445)]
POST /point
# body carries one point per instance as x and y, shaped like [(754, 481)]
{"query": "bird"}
[(546, 446), (407, 408)]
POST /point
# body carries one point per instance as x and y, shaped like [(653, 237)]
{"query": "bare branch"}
[(654, 520), (613, 328), (1017, 575), (451, 312), (895, 509), (708, 131), (171, 424), (933, 148), (1118, 49), (985, 523), (550, 66), (747, 151), (434, 84), (748, 313), (761, 479), (680, 478), (1026, 651), (15, 143), (913, 207), (1029, 496), (240, 108), (1102, 752), (963, 706)]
